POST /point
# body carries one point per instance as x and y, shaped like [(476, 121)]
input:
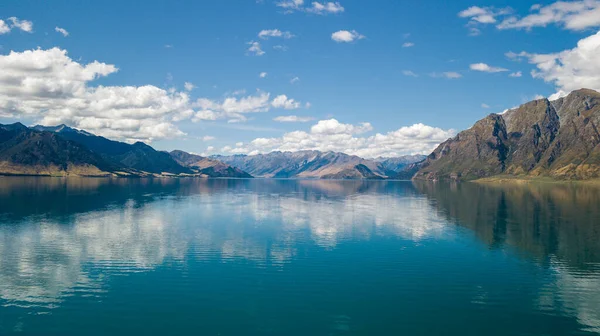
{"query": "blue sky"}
[(393, 75)]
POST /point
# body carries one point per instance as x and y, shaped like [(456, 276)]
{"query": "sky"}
[(370, 78)]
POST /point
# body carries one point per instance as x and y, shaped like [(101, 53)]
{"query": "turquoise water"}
[(283, 257)]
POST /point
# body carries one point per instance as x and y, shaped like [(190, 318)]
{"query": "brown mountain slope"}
[(541, 138)]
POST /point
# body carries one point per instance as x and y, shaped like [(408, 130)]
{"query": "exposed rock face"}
[(207, 166), (477, 152), (307, 164), (541, 138)]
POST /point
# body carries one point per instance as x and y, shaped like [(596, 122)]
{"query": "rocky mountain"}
[(63, 151), (558, 139), (207, 166), (137, 156), (312, 164), (24, 151)]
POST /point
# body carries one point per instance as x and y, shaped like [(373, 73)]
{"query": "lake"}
[(297, 257)]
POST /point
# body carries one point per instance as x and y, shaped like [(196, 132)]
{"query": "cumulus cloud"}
[(234, 109), (255, 49), (486, 68), (265, 34), (572, 15), (63, 31), (315, 7), (570, 69), (282, 101), (263, 75), (48, 86), (331, 135), (292, 119), (208, 138), (408, 45), (346, 36)]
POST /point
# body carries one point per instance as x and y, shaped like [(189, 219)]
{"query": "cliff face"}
[(541, 138)]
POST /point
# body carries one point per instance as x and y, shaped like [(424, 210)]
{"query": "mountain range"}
[(316, 164), (64, 151), (557, 139)]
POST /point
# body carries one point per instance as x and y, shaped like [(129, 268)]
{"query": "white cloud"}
[(483, 15), (331, 135), (255, 49), (409, 73), (346, 36), (234, 108), (293, 118), (516, 74), (568, 70), (265, 34), (168, 46), (315, 7), (51, 88), (485, 106), (291, 4), (479, 16), (325, 8), (188, 86), (408, 45), (24, 25), (263, 75), (63, 31), (486, 68), (447, 74), (4, 27), (294, 80), (208, 138), (572, 15), (282, 101)]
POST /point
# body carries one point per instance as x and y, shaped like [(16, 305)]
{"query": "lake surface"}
[(283, 257)]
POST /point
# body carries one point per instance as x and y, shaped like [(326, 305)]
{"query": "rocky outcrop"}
[(558, 139)]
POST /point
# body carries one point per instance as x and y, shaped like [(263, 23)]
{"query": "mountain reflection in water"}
[(65, 239)]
